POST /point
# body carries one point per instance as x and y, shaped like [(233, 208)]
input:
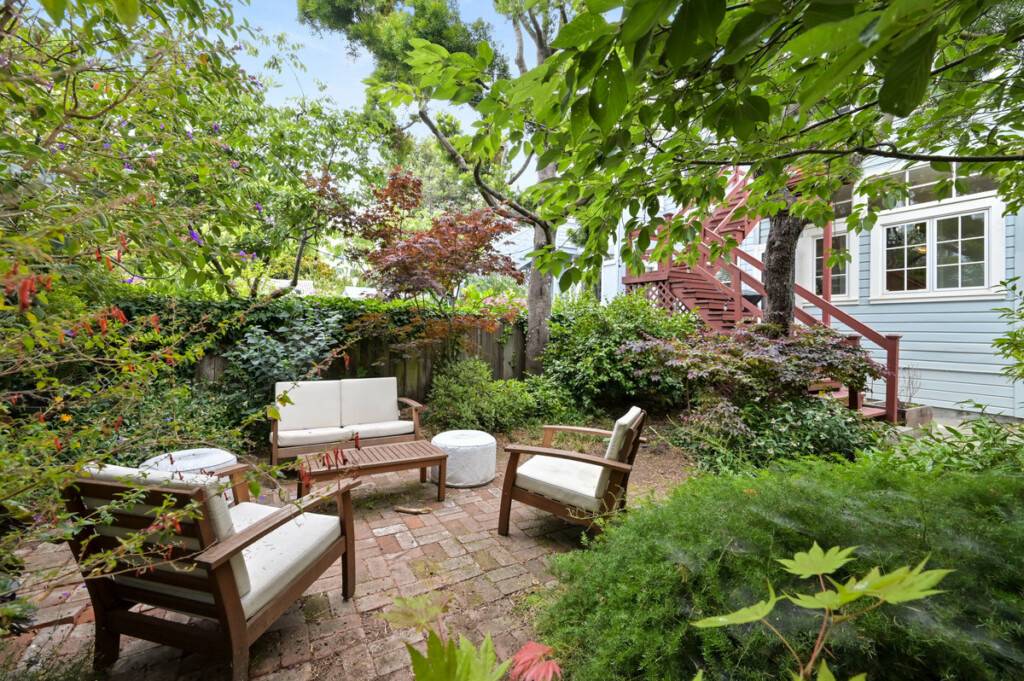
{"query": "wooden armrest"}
[(236, 473), (409, 402), (222, 551), (571, 456), (582, 430)]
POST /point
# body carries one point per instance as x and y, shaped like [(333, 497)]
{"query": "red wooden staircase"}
[(713, 288)]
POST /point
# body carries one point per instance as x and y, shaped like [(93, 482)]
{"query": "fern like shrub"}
[(463, 395), (625, 604)]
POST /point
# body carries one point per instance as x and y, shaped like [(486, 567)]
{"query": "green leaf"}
[(824, 673), (817, 562), (127, 11), (745, 34), (751, 613), (582, 30), (906, 79), (602, 6), (640, 19), (831, 600), (608, 96), (484, 53), (55, 8), (273, 413), (415, 612), (694, 21)]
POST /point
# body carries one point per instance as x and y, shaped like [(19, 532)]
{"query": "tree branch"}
[(866, 151), (526, 164)]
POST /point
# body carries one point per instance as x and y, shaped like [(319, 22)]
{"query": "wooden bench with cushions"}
[(323, 415), (241, 566), (574, 486)]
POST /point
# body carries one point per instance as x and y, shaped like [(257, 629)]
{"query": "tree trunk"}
[(780, 270), (538, 297)]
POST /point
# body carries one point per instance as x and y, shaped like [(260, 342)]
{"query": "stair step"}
[(872, 412)]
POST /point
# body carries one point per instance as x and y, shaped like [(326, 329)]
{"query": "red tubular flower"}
[(25, 289), (118, 422), (118, 314), (57, 444), (346, 359), (155, 323), (99, 256), (103, 324)]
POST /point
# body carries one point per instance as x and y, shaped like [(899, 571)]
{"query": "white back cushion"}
[(617, 445), (315, 404), (369, 400), (216, 506)]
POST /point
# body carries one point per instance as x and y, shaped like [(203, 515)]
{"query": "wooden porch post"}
[(855, 399), (826, 271), (892, 377)]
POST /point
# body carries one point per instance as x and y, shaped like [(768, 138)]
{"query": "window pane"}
[(972, 275), (978, 183), (926, 175), (894, 259), (817, 286), (894, 281), (819, 247), (917, 256), (844, 193), (972, 225), (839, 284), (843, 209), (948, 253), (947, 229), (894, 236), (928, 192), (948, 276), (917, 233), (917, 279), (972, 250)]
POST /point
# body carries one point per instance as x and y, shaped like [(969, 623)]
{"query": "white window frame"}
[(995, 248), (805, 261)]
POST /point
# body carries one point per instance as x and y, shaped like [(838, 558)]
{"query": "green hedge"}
[(624, 606)]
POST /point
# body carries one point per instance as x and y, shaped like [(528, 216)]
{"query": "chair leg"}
[(107, 648), (423, 474), (240, 663), (348, 560), (442, 475), (504, 510)]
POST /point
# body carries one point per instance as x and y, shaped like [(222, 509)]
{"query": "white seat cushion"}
[(315, 404), (313, 436), (382, 429), (570, 482), (369, 400), (278, 558)]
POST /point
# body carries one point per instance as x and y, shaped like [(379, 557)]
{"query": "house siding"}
[(948, 343)]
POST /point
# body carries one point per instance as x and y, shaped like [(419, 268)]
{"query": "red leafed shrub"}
[(435, 262)]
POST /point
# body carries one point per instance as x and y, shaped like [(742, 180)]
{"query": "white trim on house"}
[(805, 257), (995, 248)]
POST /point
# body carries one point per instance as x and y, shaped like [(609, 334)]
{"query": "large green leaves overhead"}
[(908, 75)]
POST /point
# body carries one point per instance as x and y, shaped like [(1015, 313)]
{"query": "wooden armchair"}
[(574, 486), (240, 567)]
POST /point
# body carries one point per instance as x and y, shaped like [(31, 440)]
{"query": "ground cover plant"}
[(724, 437), (626, 604)]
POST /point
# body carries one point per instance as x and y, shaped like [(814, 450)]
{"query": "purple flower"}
[(128, 166), (246, 256), (106, 145), (61, 146), (123, 122), (216, 127), (235, 164), (189, 133), (259, 207), (161, 126), (132, 280), (194, 235)]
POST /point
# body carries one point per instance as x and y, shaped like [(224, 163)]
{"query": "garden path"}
[(454, 550)]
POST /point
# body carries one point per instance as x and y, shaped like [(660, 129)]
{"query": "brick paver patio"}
[(454, 550)]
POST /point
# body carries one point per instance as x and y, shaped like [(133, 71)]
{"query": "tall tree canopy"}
[(644, 104)]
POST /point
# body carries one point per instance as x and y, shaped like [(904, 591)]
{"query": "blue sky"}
[(327, 57)]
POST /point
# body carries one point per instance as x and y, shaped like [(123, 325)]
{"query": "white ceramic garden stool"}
[(203, 460), (472, 456)]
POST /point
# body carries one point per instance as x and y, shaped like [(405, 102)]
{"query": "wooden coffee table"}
[(399, 456)]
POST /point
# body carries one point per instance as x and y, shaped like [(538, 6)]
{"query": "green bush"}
[(724, 437), (586, 351), (625, 604), (172, 416), (464, 395), (981, 444)]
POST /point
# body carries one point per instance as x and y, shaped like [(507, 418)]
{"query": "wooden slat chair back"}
[(576, 487), (194, 567)]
